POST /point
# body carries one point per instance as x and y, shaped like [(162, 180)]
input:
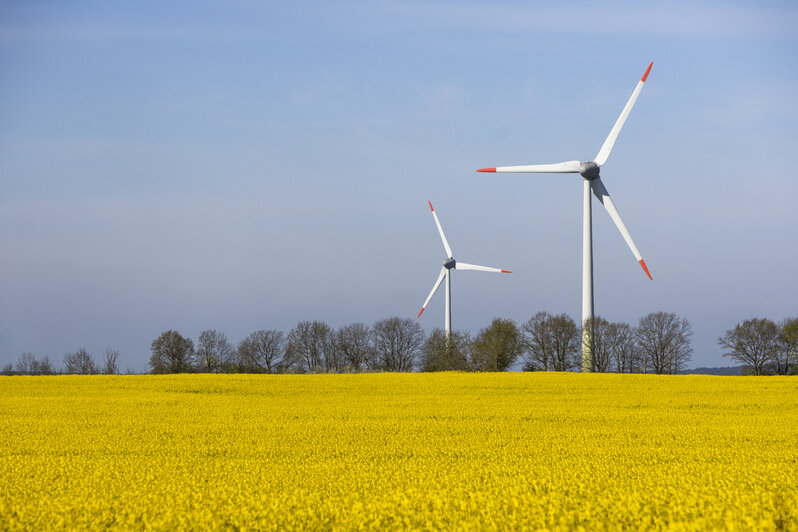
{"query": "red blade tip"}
[(643, 264), (430, 206), (486, 170), (645, 76), (506, 271), (419, 313)]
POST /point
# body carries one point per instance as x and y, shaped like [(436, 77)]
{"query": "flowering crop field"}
[(399, 451)]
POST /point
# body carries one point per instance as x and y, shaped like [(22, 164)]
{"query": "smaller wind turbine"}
[(448, 265)]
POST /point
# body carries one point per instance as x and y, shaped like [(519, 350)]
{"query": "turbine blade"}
[(440, 230), (466, 266), (568, 167), (434, 289), (603, 196), (606, 148)]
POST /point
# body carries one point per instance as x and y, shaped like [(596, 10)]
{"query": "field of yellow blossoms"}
[(399, 451)]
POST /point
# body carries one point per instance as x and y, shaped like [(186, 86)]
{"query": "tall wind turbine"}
[(448, 265), (589, 170)]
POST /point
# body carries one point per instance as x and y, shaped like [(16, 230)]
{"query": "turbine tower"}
[(448, 265), (589, 170)]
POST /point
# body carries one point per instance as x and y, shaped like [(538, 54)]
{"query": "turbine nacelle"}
[(589, 170), (448, 265)]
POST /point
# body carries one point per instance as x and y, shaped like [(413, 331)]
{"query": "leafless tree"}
[(621, 342), (614, 347), (538, 342), (398, 343), (552, 342), (172, 353), (753, 342), (25, 363), (43, 366), (214, 352), (111, 362), (80, 362), (442, 354), (311, 348), (789, 344), (353, 345), (28, 364), (262, 352), (602, 346), (664, 340)]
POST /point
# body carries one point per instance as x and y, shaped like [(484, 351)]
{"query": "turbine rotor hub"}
[(589, 170), (449, 263)]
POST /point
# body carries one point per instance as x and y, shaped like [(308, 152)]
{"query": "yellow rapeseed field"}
[(399, 451)]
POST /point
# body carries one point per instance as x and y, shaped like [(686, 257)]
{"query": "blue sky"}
[(245, 165)]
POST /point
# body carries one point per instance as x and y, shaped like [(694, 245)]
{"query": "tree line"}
[(81, 362), (658, 343), (763, 347)]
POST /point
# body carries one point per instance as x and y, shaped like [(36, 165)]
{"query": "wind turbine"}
[(448, 265), (589, 170)]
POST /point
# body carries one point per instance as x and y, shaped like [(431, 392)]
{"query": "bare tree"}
[(552, 342), (311, 347), (442, 354), (353, 344), (538, 342), (43, 366), (497, 346), (28, 364), (754, 342), (111, 362), (602, 347), (262, 352), (214, 352), (172, 353), (664, 339), (621, 343), (789, 344), (614, 347), (25, 363), (398, 343), (80, 362), (8, 369)]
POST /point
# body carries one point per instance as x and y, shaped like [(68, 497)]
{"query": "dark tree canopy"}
[(788, 359), (262, 352), (620, 340), (664, 342), (497, 346), (311, 347), (172, 353), (754, 342), (397, 342), (614, 347), (442, 354), (214, 352), (602, 346), (551, 343), (354, 346)]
